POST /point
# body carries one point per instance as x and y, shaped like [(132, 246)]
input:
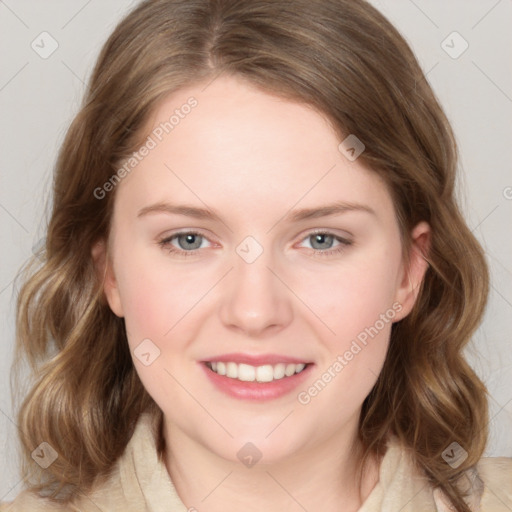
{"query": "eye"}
[(185, 243), (188, 243), (325, 243)]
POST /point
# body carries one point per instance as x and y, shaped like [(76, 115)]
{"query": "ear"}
[(413, 271), (105, 273)]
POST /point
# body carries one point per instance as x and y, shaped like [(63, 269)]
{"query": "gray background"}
[(39, 96)]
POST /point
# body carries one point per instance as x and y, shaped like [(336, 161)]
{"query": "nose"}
[(254, 301)]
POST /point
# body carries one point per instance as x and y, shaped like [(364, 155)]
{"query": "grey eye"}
[(189, 241), (321, 241)]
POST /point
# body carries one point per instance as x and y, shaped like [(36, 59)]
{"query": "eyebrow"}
[(337, 208), (189, 211)]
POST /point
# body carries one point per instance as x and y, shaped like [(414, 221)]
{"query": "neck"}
[(322, 476)]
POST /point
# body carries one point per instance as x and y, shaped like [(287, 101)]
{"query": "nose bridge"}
[(254, 299)]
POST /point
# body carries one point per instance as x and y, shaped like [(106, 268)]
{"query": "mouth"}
[(249, 373), (256, 378)]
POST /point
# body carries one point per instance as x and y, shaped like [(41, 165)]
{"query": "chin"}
[(251, 446)]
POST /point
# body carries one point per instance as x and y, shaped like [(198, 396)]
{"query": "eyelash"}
[(165, 243)]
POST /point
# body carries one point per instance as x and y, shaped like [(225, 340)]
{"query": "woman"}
[(257, 283)]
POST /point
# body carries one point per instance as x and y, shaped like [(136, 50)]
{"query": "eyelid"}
[(346, 237), (186, 231), (166, 241), (343, 244)]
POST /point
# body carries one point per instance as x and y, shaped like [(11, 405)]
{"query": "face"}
[(258, 271)]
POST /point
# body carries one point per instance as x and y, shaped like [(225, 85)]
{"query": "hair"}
[(344, 59)]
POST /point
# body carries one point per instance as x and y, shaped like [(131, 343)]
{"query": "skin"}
[(253, 158)]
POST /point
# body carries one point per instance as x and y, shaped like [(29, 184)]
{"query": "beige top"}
[(141, 483)]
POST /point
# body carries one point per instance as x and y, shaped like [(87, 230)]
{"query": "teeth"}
[(248, 373), (289, 370), (279, 371), (232, 370), (265, 373), (221, 368)]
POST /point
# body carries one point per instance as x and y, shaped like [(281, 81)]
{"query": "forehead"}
[(240, 147)]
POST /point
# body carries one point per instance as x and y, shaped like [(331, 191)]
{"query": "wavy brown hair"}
[(343, 58)]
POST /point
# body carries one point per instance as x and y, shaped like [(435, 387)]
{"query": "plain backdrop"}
[(470, 72)]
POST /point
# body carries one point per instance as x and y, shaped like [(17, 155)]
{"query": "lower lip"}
[(256, 390)]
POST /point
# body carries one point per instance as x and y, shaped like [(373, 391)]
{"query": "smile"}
[(261, 378), (248, 373)]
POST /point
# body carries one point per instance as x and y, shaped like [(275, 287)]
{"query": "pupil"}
[(189, 241), (323, 240)]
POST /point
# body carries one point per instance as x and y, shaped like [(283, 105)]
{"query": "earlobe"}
[(105, 275), (415, 269)]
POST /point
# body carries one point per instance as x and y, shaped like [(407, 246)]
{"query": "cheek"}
[(155, 305), (144, 304), (354, 296), (151, 301), (158, 299), (358, 303)]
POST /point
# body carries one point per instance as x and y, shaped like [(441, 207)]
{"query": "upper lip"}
[(255, 360)]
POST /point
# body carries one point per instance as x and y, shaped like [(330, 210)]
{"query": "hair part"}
[(349, 63)]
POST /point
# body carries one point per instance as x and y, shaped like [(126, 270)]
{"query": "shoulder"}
[(27, 501), (138, 482), (105, 497), (487, 485), (496, 474)]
